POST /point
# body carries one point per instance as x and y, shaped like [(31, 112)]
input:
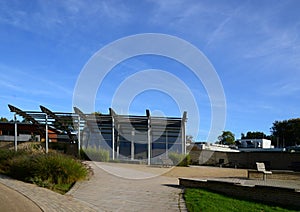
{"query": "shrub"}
[(19, 167), (6, 155), (179, 159), (57, 168)]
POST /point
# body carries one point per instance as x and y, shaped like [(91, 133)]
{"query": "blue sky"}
[(254, 47)]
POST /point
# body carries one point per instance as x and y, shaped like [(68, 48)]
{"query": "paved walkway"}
[(133, 190), (130, 188), (47, 200), (11, 200)]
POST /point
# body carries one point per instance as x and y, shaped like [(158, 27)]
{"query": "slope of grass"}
[(202, 200)]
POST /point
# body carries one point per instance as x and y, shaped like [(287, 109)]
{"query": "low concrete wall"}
[(266, 194), (272, 160), (277, 175)]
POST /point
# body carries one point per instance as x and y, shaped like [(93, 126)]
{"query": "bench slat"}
[(260, 168)]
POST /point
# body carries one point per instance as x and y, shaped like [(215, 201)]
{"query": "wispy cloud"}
[(284, 89), (48, 17), (21, 82)]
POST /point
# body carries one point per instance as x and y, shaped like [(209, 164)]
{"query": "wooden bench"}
[(261, 169)]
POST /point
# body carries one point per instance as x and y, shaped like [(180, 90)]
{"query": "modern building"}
[(26, 132), (126, 137), (131, 137), (255, 143)]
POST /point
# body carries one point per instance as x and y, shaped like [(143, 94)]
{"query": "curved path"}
[(11, 200), (107, 192), (46, 199), (130, 188), (134, 189)]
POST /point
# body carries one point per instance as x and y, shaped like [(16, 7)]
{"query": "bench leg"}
[(265, 177)]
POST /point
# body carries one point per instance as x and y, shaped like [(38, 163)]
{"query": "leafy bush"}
[(92, 153), (179, 159)]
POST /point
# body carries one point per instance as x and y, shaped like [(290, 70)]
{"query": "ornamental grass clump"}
[(179, 159), (5, 157), (58, 168), (95, 154), (53, 170)]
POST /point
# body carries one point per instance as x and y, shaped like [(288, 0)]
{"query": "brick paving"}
[(108, 192), (130, 188), (11, 200), (47, 200)]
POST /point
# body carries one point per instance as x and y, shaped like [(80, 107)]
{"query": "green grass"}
[(53, 170), (202, 200)]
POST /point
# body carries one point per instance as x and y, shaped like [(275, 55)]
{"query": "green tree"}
[(3, 119), (286, 132), (227, 137), (254, 135)]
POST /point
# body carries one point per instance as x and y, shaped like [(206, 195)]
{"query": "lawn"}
[(202, 200)]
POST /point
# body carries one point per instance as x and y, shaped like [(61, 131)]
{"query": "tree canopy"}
[(227, 137), (254, 135), (3, 119), (286, 132)]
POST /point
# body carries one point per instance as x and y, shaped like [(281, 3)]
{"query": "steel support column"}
[(16, 132), (118, 141), (183, 133), (46, 139), (79, 137), (132, 144), (149, 136), (167, 145), (113, 137)]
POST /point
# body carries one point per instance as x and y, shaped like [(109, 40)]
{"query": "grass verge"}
[(202, 200)]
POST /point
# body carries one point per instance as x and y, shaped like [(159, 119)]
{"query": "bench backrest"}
[(260, 167)]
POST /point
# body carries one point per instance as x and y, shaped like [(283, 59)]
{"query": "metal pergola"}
[(60, 123), (127, 136), (157, 135)]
